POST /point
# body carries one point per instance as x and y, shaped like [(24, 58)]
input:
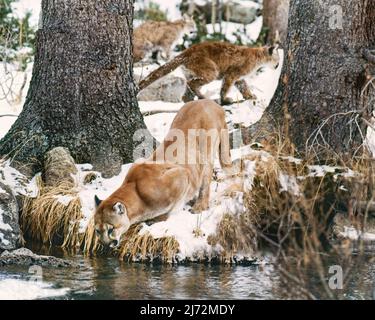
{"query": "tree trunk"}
[(275, 20), (82, 94), (324, 99), (213, 15)]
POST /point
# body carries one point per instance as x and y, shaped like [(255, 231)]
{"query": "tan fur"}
[(164, 182), (209, 61), (162, 35), (141, 49)]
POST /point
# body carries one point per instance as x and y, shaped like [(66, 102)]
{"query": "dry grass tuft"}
[(236, 235), (134, 247), (145, 248), (90, 177), (48, 220), (90, 243), (299, 225)]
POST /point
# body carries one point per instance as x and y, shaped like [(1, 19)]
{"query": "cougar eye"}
[(110, 231), (97, 231)]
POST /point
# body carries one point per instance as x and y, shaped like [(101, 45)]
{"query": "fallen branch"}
[(366, 206), (152, 112), (8, 115)]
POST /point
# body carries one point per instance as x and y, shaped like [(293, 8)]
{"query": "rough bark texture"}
[(10, 233), (82, 94), (275, 20), (323, 99)]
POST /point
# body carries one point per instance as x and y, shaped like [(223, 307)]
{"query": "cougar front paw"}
[(226, 101), (199, 207)]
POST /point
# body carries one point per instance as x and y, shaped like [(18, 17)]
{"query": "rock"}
[(59, 166), (26, 257), (10, 233), (241, 13), (169, 89), (244, 12)]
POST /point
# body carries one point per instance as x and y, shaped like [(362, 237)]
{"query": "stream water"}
[(108, 278)]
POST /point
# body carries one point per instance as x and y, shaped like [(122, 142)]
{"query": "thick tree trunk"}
[(323, 100), (275, 20), (82, 94)]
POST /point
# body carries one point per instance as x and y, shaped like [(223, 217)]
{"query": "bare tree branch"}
[(8, 115)]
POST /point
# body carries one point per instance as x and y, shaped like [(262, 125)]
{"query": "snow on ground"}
[(322, 170), (353, 234), (4, 227), (3, 240), (17, 181), (19, 185), (370, 137), (289, 184), (159, 124), (17, 289), (64, 199)]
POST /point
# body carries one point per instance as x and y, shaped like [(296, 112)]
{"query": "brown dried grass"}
[(145, 248), (48, 221)]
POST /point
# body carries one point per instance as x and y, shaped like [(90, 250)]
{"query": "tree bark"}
[(324, 98), (82, 94), (275, 20)]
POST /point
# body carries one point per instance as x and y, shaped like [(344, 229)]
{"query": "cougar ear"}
[(119, 208), (271, 50), (97, 201)]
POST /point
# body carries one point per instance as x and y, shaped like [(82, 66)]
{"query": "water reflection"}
[(108, 278), (117, 280)]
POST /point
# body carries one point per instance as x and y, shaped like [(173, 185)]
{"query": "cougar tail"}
[(162, 71)]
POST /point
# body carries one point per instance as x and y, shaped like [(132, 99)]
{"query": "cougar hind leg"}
[(202, 202)]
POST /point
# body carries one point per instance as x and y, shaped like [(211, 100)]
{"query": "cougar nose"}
[(113, 244)]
